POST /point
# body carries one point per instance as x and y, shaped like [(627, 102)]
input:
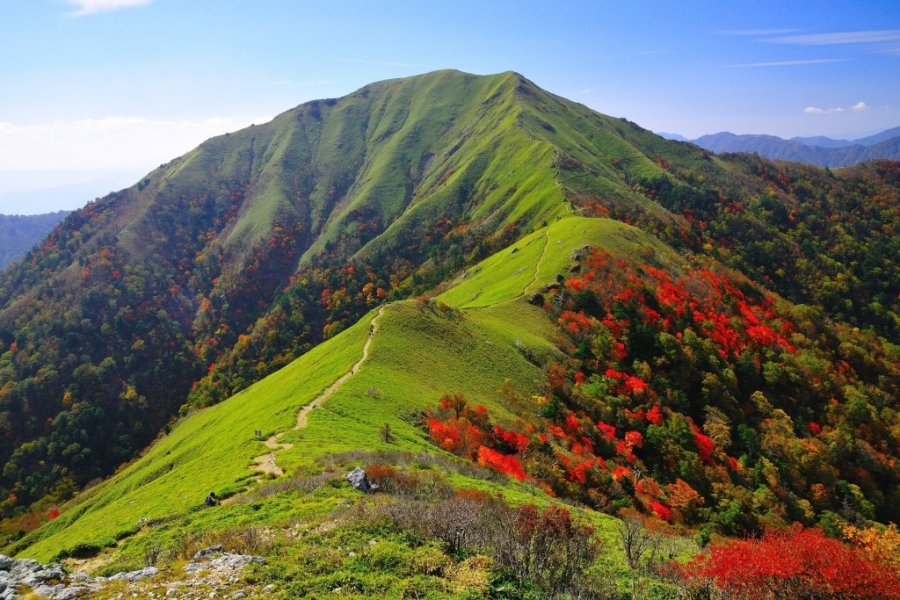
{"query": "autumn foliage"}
[(796, 563)]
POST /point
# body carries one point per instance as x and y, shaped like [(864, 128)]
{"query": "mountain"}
[(675, 137), (822, 141), (878, 138), (820, 151), (526, 382), (18, 233), (194, 292)]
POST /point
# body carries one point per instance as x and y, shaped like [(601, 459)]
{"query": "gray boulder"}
[(359, 481)]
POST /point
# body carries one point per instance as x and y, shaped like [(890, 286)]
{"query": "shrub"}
[(796, 563)]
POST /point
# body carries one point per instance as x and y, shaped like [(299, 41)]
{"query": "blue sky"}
[(99, 86)]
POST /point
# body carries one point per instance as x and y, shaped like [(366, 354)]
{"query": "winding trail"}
[(331, 389), (265, 463), (534, 278)]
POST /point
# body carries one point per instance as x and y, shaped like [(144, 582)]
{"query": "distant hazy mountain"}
[(818, 150), (676, 137), (19, 233)]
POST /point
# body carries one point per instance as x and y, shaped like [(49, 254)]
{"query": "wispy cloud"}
[(92, 7), (757, 32), (815, 110), (840, 37), (787, 63)]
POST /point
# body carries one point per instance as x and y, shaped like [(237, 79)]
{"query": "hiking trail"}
[(265, 463)]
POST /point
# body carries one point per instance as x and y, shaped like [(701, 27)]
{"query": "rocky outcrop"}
[(211, 569), (49, 581)]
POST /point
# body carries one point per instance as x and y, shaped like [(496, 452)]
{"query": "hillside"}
[(19, 233), (485, 339), (226, 264), (820, 151)]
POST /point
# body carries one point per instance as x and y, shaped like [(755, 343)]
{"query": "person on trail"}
[(211, 500)]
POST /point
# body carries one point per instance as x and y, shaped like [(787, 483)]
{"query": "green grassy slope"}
[(210, 450), (537, 259), (418, 353)]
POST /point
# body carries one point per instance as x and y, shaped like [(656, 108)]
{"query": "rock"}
[(210, 550), (360, 482), (43, 575), (579, 253), (134, 575), (6, 563), (24, 567)]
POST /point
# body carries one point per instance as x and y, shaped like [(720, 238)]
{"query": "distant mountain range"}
[(818, 150), (18, 233)]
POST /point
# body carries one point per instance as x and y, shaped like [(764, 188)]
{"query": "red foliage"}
[(576, 284), (785, 563), (634, 438), (661, 510), (456, 435), (705, 445), (579, 472), (516, 441), (620, 472), (504, 463), (634, 385), (608, 431), (54, 513), (654, 415)]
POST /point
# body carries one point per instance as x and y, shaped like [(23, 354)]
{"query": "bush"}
[(546, 549), (797, 563)]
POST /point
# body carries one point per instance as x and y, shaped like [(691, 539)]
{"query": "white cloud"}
[(841, 37), (788, 63), (815, 110), (91, 7), (107, 143)]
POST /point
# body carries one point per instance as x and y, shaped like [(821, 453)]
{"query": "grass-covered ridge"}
[(485, 338), (415, 355)]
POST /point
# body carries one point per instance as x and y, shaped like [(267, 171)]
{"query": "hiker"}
[(211, 500)]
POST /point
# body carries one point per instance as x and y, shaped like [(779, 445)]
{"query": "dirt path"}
[(266, 463), (534, 277), (304, 412), (537, 267)]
